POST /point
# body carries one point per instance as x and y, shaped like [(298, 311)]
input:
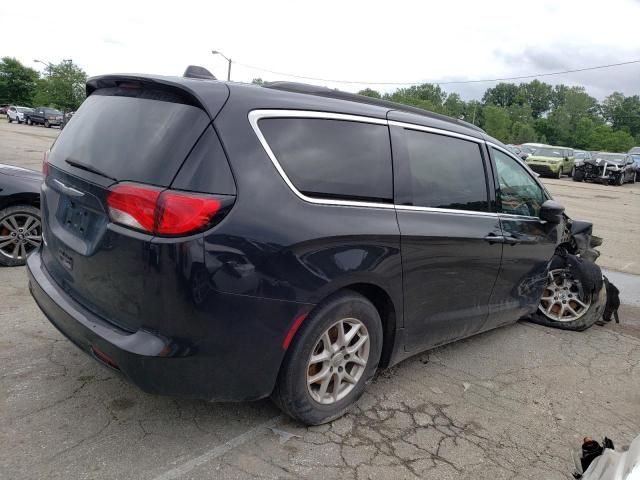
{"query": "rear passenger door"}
[(450, 262)]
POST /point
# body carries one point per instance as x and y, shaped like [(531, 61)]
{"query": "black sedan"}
[(20, 228), (603, 167)]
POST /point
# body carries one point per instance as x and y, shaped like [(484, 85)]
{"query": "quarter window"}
[(518, 192), (446, 172), (333, 158)]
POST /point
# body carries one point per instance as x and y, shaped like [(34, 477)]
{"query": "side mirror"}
[(551, 211)]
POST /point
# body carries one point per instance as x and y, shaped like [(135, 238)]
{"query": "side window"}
[(446, 172), (518, 193), (333, 158)]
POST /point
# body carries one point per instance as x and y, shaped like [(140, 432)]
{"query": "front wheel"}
[(572, 172), (559, 174), (633, 178), (619, 181), (334, 355), (47, 124), (9, 119), (565, 304)]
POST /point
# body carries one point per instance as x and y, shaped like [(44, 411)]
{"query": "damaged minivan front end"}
[(577, 295)]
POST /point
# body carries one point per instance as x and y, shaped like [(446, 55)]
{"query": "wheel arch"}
[(23, 198)]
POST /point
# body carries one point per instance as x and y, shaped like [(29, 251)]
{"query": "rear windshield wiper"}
[(88, 168)]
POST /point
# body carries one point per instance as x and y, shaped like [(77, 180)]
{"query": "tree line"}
[(536, 112), (61, 86)]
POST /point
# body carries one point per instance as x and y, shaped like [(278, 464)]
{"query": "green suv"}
[(552, 161)]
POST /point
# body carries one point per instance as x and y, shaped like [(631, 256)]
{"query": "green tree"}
[(497, 123), (17, 82), (369, 92), (257, 81), (502, 95), (605, 138), (427, 96), (623, 112), (473, 113), (537, 95), (63, 86), (583, 131), (523, 133), (454, 106)]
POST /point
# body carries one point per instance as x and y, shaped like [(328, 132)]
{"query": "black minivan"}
[(232, 242)]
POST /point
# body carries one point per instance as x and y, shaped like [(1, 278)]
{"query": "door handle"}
[(493, 238)]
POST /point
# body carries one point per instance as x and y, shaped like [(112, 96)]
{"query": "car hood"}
[(601, 161), (540, 158), (20, 172)]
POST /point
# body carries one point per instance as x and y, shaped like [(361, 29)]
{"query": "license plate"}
[(76, 219)]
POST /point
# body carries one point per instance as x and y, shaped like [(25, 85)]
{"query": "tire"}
[(559, 174), (293, 395), (28, 121), (596, 304), (20, 214), (572, 172), (47, 124), (619, 181), (9, 119), (633, 178), (578, 176)]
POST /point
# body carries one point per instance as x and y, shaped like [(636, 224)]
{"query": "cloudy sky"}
[(368, 41)]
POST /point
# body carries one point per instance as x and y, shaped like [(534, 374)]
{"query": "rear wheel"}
[(47, 124), (565, 305), (572, 172), (9, 119), (633, 177), (334, 355), (20, 234)]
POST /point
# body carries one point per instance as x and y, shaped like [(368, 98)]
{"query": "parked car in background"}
[(516, 150), (18, 114), (20, 229), (580, 157), (552, 161), (527, 150), (3, 109), (610, 168), (299, 258), (635, 151), (46, 116), (636, 161)]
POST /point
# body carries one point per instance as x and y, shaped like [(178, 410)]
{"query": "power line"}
[(452, 82)]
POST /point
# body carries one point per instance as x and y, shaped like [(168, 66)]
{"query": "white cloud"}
[(374, 41)]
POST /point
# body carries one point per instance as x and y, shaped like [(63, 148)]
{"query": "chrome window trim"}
[(256, 115), (439, 131), (475, 213)]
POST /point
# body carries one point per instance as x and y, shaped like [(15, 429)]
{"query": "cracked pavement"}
[(510, 403)]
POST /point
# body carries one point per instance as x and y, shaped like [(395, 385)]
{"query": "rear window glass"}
[(133, 139), (333, 158), (446, 172)]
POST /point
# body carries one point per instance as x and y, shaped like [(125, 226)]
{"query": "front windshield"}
[(23, 109), (615, 157), (52, 111), (636, 157), (581, 154), (549, 152)]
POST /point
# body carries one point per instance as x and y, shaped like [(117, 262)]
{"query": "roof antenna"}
[(196, 71)]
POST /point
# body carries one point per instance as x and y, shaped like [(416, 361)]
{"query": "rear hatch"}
[(128, 135)]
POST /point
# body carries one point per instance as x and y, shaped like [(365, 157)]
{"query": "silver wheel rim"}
[(338, 361), (563, 298), (20, 234)]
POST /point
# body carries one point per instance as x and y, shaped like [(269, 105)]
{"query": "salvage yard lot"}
[(510, 403)]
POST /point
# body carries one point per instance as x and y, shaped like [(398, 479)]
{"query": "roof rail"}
[(297, 87)]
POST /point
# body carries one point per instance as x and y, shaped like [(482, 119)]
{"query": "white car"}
[(17, 114)]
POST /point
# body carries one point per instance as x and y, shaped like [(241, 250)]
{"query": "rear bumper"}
[(202, 363)]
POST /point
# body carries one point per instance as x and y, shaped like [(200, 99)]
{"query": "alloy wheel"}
[(338, 361), (20, 234), (563, 298)]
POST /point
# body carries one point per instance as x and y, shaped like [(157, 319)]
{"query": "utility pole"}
[(215, 52)]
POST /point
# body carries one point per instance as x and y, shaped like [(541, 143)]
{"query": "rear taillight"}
[(163, 212)]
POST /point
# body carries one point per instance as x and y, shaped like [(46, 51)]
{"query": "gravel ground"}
[(510, 403)]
